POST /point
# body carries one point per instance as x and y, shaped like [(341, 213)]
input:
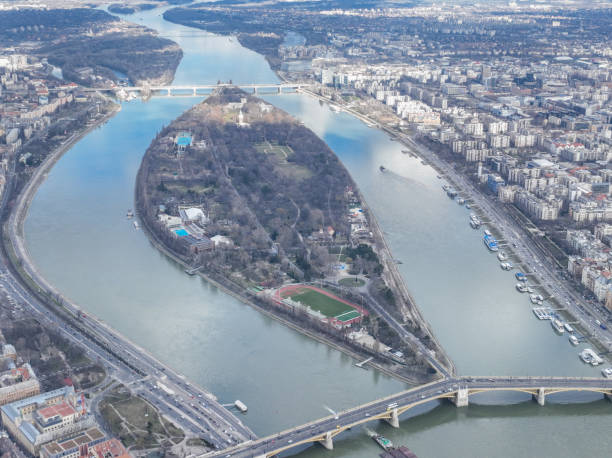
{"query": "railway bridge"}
[(458, 390)]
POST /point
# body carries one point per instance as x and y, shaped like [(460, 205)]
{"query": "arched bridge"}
[(456, 389)]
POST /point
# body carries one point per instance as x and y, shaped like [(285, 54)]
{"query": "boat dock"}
[(365, 361), (240, 405), (193, 271)]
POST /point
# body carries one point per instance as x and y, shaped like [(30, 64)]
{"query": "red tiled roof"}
[(110, 448), (63, 409)]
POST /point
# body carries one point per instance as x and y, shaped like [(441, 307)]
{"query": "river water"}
[(81, 241)]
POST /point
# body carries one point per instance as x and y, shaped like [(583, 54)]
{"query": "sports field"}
[(334, 308), (320, 302)]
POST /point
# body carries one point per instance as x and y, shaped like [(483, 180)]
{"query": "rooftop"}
[(13, 410), (63, 409)]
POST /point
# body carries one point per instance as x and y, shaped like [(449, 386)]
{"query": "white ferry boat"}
[(590, 357), (506, 266), (573, 340), (607, 372), (568, 327), (557, 325)]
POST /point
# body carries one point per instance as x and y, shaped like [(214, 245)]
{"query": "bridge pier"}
[(461, 399), (280, 89), (328, 442), (608, 396), (540, 397), (195, 92), (394, 420)]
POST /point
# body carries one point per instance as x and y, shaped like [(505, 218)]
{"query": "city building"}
[(46, 417), (17, 381), (90, 443)]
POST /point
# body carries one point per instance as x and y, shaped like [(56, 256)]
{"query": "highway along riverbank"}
[(81, 242)]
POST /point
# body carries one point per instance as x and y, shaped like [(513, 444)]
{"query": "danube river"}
[(81, 241)]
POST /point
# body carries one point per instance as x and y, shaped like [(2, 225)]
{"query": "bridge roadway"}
[(193, 89), (456, 389)]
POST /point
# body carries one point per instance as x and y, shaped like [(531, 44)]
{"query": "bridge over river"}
[(456, 389), (203, 89)]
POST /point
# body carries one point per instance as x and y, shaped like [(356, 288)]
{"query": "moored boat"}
[(574, 340), (590, 357), (502, 256), (240, 405), (557, 325), (490, 242), (535, 298), (542, 313), (381, 440)]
